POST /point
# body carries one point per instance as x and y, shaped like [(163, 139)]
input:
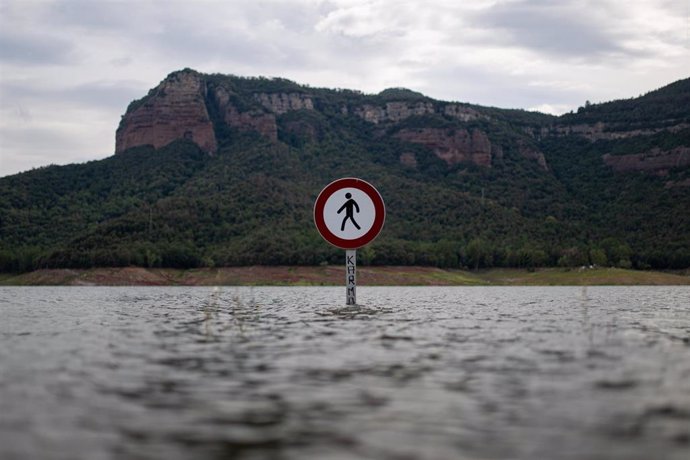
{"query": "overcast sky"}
[(68, 68)]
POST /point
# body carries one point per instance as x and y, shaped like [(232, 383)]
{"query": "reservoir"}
[(293, 373)]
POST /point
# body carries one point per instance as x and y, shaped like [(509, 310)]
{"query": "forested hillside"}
[(216, 170)]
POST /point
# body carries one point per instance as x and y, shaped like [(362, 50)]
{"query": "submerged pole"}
[(351, 276)]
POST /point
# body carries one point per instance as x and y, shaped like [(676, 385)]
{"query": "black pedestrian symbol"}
[(349, 207)]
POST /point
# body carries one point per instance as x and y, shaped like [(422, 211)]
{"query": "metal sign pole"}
[(351, 276), (349, 213)]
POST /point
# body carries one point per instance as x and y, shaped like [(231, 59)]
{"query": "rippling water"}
[(291, 373)]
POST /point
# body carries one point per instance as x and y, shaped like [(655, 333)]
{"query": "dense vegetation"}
[(656, 108), (251, 203)]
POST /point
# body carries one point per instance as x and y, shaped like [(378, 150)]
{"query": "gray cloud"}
[(35, 49), (194, 34), (477, 86), (44, 141), (555, 28), (103, 16), (95, 95)]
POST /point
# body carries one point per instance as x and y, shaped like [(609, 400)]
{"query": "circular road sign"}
[(349, 213)]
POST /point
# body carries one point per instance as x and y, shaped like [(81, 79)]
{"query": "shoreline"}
[(332, 275)]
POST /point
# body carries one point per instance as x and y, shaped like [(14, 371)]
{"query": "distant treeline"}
[(476, 254)]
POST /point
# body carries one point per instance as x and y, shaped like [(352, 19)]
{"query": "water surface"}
[(291, 373)]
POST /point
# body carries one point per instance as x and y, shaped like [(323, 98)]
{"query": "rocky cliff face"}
[(394, 112), (190, 105), (603, 131), (280, 103), (655, 161), (249, 120), (176, 109), (451, 145)]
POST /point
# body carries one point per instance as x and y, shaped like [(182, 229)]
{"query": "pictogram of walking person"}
[(349, 206)]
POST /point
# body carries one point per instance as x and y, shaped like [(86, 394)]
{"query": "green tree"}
[(597, 256), (479, 253)]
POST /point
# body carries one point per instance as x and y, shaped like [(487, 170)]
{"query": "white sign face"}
[(349, 213)]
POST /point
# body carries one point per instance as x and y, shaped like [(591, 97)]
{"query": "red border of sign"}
[(365, 187)]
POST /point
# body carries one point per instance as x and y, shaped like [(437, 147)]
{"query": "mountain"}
[(223, 170)]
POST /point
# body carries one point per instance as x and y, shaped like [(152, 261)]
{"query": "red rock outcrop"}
[(531, 153), (680, 184), (655, 161), (408, 159), (251, 120), (452, 145), (303, 130), (602, 131), (263, 123), (176, 109)]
